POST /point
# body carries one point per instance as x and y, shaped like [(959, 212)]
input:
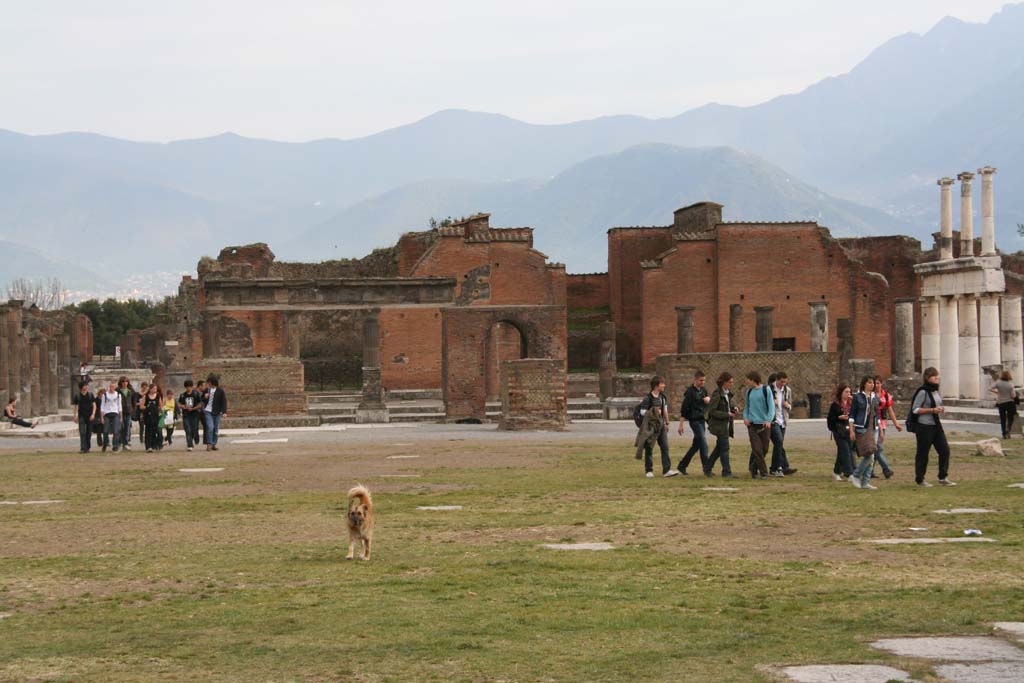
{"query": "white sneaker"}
[(855, 481), (870, 486), (671, 473), (189, 449), (650, 475), (837, 477), (924, 484), (947, 482)]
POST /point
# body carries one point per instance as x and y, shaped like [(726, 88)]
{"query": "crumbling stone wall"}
[(258, 387), (808, 372), (533, 395)]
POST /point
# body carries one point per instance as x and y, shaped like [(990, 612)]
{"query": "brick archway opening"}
[(505, 341)]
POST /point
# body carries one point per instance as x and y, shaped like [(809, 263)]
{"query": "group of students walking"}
[(110, 412), (857, 422), (765, 414)]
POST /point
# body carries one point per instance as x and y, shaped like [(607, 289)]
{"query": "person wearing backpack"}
[(926, 424), (838, 422), (783, 397), (694, 411), (885, 415), (655, 400), (758, 413), (721, 414)]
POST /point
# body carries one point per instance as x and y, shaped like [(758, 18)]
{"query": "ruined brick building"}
[(442, 308)]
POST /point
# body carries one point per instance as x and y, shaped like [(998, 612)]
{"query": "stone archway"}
[(505, 341)]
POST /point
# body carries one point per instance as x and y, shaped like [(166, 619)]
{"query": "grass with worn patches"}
[(146, 574)]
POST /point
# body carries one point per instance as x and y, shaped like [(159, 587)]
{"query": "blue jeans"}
[(700, 444), (126, 430), (112, 427), (84, 434), (721, 452), (212, 423), (666, 463), (779, 459), (880, 453)]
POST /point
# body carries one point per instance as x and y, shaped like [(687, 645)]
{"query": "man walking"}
[(758, 415), (110, 408), (216, 408), (124, 388), (191, 404), (694, 411), (86, 415), (783, 396), (655, 400), (204, 395)]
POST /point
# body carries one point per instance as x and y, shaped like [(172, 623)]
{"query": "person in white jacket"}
[(110, 409)]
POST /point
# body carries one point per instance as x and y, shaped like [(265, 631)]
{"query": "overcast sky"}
[(336, 68)]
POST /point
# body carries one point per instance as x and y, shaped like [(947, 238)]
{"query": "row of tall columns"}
[(988, 221), (949, 346), (1010, 339), (763, 330), (988, 216)]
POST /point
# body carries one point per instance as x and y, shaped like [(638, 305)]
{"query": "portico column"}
[(949, 347), (819, 326), (904, 337), (988, 215), (763, 328), (969, 368), (988, 340), (735, 328), (372, 407), (946, 220), (966, 215), (607, 363), (1012, 343), (684, 329), (931, 331)]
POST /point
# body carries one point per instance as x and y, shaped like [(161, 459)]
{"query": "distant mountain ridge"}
[(916, 108)]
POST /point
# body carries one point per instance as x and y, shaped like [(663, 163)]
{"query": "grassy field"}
[(148, 574)]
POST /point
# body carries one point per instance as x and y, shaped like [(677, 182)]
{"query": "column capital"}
[(907, 300), (965, 177), (945, 182), (987, 171)]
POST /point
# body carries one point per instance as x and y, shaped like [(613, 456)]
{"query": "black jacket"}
[(220, 402), (840, 428), (694, 408)]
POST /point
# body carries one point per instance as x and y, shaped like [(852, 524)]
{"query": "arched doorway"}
[(505, 341)]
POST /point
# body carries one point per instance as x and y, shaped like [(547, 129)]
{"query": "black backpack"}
[(638, 419), (912, 417)]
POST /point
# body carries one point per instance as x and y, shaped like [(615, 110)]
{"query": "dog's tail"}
[(362, 493)]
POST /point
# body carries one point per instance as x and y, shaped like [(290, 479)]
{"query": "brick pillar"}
[(607, 365), (4, 355), (684, 329), (735, 328), (763, 329), (211, 335), (819, 326), (372, 407), (37, 351), (51, 391), (64, 385), (844, 330), (292, 335)]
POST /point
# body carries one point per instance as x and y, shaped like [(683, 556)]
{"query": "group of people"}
[(857, 422), (766, 411), (109, 414)]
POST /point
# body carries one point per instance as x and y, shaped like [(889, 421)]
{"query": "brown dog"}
[(360, 520)]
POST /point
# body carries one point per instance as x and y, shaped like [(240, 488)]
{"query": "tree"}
[(112, 318), (48, 294)]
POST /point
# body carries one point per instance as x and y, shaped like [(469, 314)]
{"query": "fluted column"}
[(1012, 346), (946, 219), (967, 314), (966, 215), (988, 212), (988, 340), (931, 331), (904, 337), (949, 347)]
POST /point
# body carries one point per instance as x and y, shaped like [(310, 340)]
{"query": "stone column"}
[(211, 335), (684, 329), (904, 337), (4, 358), (64, 387), (966, 215), (51, 390), (988, 212), (946, 220), (14, 352), (606, 364), (372, 407), (970, 368), (735, 328), (819, 326), (844, 332), (989, 355), (931, 331), (949, 347), (1012, 341), (763, 329), (38, 352), (292, 335)]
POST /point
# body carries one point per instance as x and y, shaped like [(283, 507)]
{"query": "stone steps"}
[(987, 415)]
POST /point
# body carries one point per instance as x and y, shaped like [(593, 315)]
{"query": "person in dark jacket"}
[(152, 406), (650, 429), (926, 406), (721, 413), (86, 415), (694, 411), (190, 403), (655, 400), (863, 416), (128, 400), (838, 422), (215, 408)]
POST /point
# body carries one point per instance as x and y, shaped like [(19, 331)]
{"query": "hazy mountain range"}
[(918, 107)]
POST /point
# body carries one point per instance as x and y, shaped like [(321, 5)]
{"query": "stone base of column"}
[(368, 415)]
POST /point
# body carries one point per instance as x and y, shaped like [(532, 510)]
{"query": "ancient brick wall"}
[(627, 249), (808, 372), (258, 386), (252, 333), (36, 356), (687, 277), (411, 247), (588, 290), (467, 333), (410, 348), (533, 394), (695, 218)]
